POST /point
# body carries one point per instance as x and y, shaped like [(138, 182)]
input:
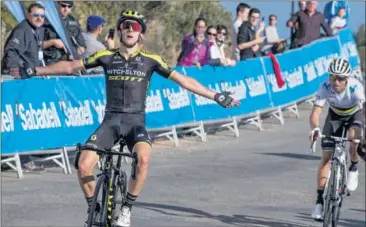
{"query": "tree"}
[(8, 22), (361, 46), (167, 21)]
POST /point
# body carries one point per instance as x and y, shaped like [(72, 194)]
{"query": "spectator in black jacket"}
[(24, 46), (249, 39), (23, 49), (72, 27)]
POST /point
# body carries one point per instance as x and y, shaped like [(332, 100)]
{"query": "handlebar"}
[(340, 139), (109, 152), (334, 138)]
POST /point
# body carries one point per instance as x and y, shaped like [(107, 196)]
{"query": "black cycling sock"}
[(130, 200), (319, 199), (89, 200), (353, 166)]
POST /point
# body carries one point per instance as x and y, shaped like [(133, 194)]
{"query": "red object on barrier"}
[(277, 70)]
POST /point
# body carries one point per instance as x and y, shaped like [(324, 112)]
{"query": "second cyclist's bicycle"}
[(335, 188)]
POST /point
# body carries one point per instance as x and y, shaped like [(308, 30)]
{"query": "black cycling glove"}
[(223, 99), (27, 72)]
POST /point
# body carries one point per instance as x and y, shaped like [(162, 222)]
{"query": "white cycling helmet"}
[(340, 67)]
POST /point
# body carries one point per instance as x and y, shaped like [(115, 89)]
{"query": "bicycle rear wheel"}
[(98, 213)]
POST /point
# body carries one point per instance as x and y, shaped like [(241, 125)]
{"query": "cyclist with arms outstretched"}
[(128, 71), (345, 96)]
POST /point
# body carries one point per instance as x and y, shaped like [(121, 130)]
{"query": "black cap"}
[(68, 2)]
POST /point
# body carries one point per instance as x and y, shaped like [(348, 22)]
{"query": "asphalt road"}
[(259, 179)]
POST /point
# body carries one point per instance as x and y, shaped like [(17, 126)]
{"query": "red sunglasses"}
[(131, 24)]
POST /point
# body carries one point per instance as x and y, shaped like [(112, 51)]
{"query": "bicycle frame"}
[(335, 187), (110, 171), (337, 167)]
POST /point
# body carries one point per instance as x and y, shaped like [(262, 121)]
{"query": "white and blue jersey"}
[(346, 103)]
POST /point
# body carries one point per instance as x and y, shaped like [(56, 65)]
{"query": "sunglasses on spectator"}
[(223, 33), (335, 78), (131, 24), (66, 6), (213, 34), (39, 15)]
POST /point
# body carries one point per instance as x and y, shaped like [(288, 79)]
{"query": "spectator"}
[(94, 27), (189, 40), (23, 49), (338, 22), (74, 30), (295, 34), (331, 10), (273, 41), (24, 46), (309, 22), (242, 12), (211, 34), (249, 39), (217, 53), (199, 54), (302, 5)]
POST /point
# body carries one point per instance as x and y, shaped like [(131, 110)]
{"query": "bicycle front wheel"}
[(340, 188), (98, 209), (119, 193), (328, 200)]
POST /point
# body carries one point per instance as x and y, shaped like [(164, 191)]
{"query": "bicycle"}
[(112, 183), (335, 187)]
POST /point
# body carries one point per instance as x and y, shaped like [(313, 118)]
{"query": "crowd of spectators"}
[(34, 42), (251, 37)]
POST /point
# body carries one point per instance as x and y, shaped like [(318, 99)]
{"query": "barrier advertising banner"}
[(62, 111)]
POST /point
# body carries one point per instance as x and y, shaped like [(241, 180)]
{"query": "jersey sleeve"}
[(320, 97), (99, 58), (360, 95), (162, 68)]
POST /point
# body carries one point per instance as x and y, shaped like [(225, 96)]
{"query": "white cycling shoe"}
[(317, 213), (352, 181), (124, 219)]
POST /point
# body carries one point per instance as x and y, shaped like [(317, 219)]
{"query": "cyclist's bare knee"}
[(88, 159), (326, 156), (143, 151), (354, 133)]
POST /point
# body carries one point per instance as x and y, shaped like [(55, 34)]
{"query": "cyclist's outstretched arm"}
[(61, 67), (192, 85)]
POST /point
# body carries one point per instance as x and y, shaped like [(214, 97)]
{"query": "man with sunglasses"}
[(73, 28), (345, 96), (128, 71), (24, 47)]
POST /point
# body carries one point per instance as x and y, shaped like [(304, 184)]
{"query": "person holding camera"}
[(94, 28), (74, 32)]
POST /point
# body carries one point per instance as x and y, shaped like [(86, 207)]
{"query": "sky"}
[(283, 11)]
